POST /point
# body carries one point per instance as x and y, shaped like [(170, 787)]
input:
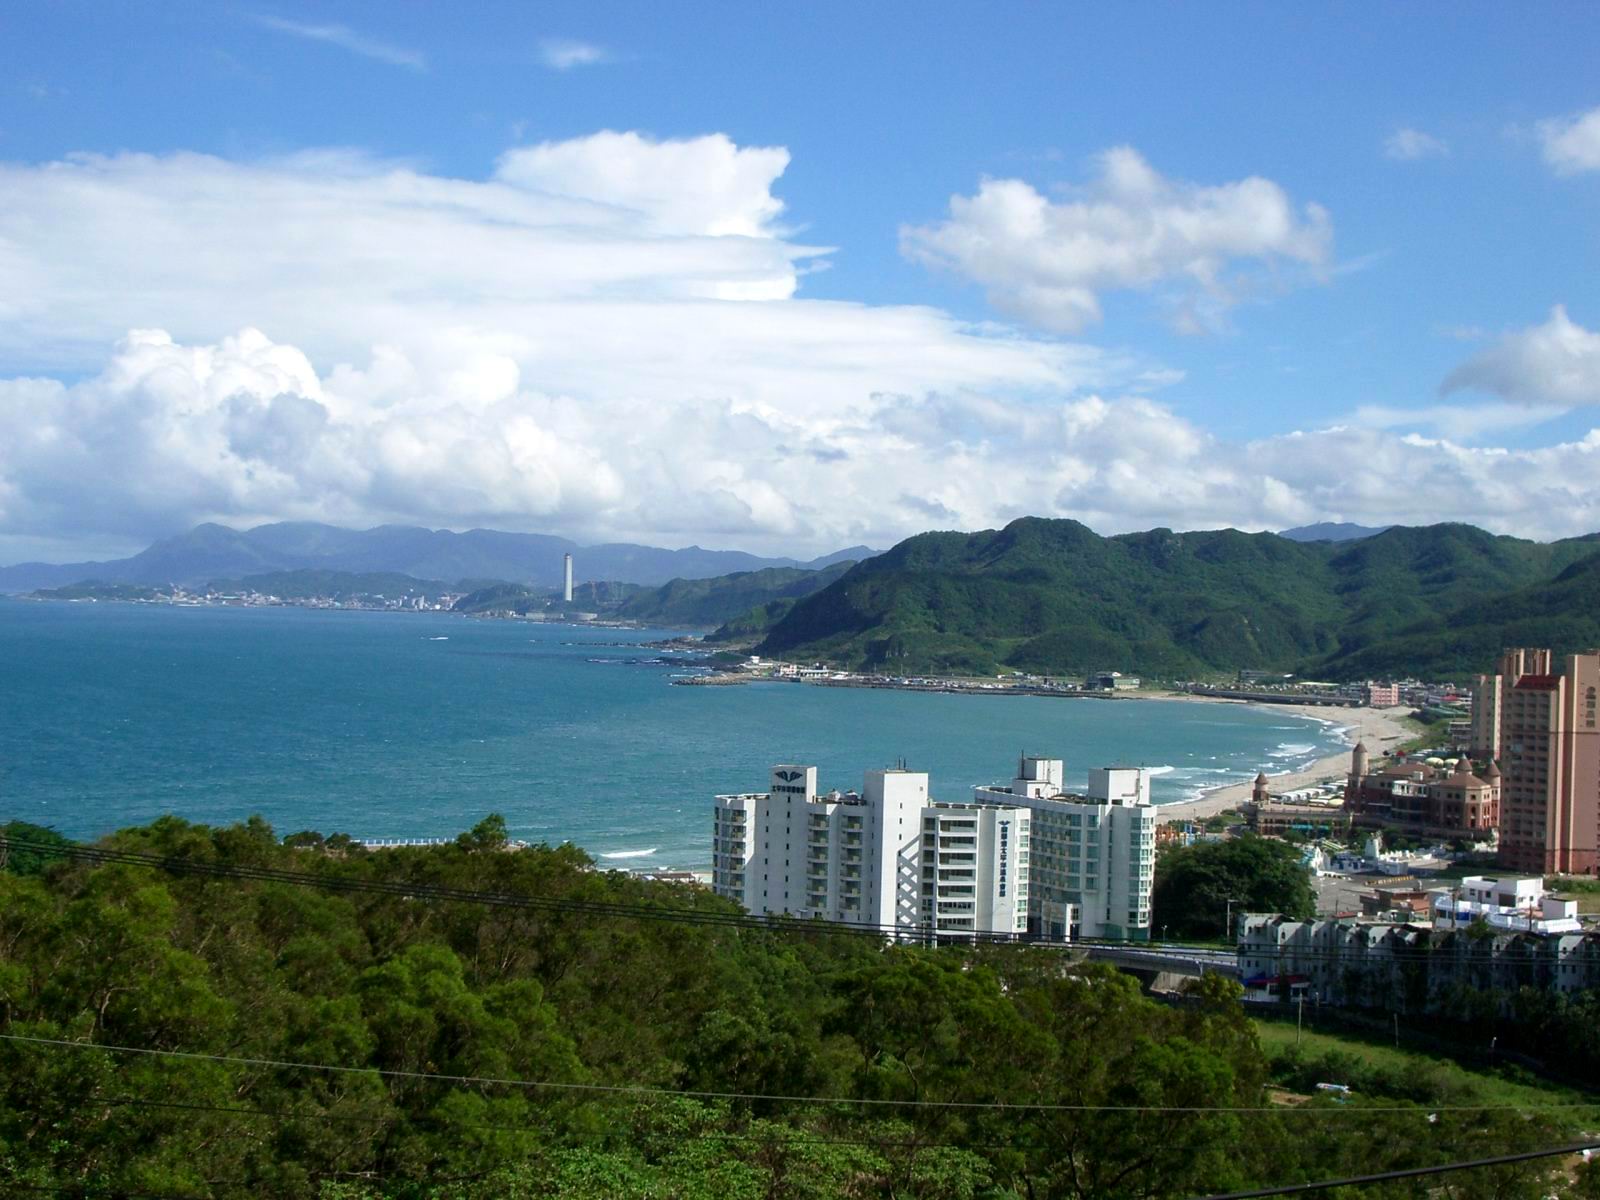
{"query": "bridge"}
[(1150, 961)]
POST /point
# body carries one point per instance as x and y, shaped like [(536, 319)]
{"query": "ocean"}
[(415, 725)]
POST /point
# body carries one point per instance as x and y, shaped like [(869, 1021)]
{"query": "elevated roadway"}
[(1167, 960)]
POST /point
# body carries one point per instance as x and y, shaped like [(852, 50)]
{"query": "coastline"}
[(1377, 727)]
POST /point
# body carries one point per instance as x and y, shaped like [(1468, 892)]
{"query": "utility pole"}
[(1396, 1031), (1227, 920), (1299, 1019)]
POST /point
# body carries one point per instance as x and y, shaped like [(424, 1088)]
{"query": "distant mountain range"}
[(1053, 596), (1332, 531), (210, 552)]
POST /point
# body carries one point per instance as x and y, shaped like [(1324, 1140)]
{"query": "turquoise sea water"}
[(416, 725)]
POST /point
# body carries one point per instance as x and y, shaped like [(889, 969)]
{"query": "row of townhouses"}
[(1486, 935), (1025, 858)]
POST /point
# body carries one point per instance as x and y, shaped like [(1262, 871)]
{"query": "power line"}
[(1406, 1173), (779, 1098)]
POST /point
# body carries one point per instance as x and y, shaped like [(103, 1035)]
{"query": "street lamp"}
[(1227, 920)]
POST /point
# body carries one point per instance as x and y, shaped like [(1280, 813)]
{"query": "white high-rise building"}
[(1091, 858), (839, 857), (975, 869), (1018, 859)]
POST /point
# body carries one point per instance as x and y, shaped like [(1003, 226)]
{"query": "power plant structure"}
[(566, 584)]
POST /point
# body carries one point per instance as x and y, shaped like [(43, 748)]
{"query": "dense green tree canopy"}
[(1194, 885), (197, 1032)]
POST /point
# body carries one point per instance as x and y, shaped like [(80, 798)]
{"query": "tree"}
[(1195, 884), (487, 834), (21, 861)]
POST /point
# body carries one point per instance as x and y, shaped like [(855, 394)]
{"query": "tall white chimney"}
[(566, 589)]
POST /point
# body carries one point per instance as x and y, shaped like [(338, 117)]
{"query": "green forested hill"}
[(1563, 612), (340, 1030), (700, 602), (1051, 595)]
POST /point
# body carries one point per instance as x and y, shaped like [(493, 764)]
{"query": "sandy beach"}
[(1379, 728)]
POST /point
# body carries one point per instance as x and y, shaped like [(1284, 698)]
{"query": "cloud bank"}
[(1047, 262), (247, 430), (605, 338)]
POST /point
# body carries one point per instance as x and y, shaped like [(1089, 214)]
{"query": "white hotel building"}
[(1020, 858)]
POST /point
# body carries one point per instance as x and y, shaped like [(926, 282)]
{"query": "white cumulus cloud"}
[(703, 186), (1572, 144), (603, 338), (247, 429), (1047, 262), (1554, 364), (613, 307), (1408, 145)]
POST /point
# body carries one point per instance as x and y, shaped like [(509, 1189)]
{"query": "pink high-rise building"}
[(1539, 723)]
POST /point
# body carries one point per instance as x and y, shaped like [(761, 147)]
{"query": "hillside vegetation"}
[(1053, 596), (710, 602), (346, 1033)]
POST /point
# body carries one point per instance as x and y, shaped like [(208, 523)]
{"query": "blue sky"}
[(1167, 357)]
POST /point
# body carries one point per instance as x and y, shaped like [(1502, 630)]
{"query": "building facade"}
[(1423, 800), (1406, 968), (1537, 718), (1380, 695), (1018, 859), (851, 857), (1093, 856)]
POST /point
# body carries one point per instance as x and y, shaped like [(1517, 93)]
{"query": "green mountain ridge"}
[(711, 602), (1053, 596)]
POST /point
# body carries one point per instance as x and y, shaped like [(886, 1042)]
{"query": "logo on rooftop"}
[(788, 776)]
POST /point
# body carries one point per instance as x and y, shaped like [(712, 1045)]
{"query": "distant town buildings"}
[(1110, 681), (1536, 717), (1024, 858), (1380, 695)]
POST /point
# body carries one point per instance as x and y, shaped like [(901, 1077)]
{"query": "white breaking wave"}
[(1154, 771), (1291, 750), (630, 853), (438, 639)]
